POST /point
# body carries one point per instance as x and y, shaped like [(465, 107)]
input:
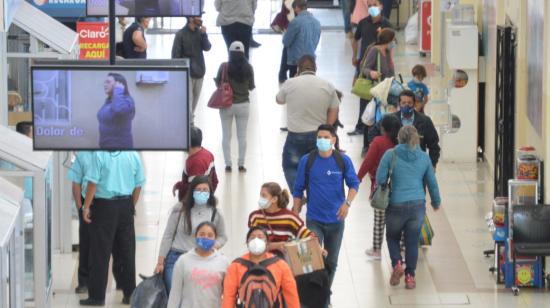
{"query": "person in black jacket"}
[(429, 139)]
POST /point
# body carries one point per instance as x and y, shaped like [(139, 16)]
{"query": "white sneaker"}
[(374, 254)]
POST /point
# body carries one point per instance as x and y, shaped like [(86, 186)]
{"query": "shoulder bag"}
[(223, 95), (381, 197), (363, 84)]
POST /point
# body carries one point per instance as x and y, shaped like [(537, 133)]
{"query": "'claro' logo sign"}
[(102, 33)]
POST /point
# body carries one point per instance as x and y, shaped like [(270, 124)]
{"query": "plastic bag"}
[(150, 293), (411, 30), (369, 115)]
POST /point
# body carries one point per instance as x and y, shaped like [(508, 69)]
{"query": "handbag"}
[(381, 197), (223, 95), (426, 233), (362, 85)]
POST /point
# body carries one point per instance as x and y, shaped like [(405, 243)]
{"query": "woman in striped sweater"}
[(281, 223)]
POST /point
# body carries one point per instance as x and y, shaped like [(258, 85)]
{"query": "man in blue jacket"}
[(323, 176), (302, 36)]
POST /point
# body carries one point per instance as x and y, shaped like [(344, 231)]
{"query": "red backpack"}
[(258, 288)]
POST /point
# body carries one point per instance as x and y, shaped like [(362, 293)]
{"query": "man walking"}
[(322, 174), (190, 42), (311, 101), (302, 36), (367, 32)]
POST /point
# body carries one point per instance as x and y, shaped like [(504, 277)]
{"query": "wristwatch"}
[(348, 203)]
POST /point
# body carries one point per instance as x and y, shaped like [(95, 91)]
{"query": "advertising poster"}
[(93, 38), (426, 26), (61, 8)]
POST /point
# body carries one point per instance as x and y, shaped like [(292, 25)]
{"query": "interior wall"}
[(489, 21)]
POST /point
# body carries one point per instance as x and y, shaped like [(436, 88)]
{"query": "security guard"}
[(81, 164), (114, 184)]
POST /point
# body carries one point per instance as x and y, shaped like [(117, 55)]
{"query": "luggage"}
[(150, 293)]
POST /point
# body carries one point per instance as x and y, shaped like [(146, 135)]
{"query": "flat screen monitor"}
[(110, 107), (146, 8)]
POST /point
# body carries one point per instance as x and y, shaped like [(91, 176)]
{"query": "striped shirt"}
[(281, 226)]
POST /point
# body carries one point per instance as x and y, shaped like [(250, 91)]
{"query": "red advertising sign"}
[(426, 26), (93, 40)]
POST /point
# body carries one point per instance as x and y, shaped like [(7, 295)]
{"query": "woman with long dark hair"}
[(199, 205), (390, 126), (116, 115), (241, 79)]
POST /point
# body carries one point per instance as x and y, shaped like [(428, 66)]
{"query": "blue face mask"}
[(201, 197), (374, 11), (407, 111), (204, 243), (323, 144)]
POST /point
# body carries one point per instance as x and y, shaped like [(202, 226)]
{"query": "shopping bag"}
[(369, 114), (223, 95), (426, 233), (150, 293), (362, 87)]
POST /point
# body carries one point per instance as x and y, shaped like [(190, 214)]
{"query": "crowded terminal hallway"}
[(458, 111)]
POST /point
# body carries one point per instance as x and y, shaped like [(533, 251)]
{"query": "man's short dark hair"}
[(196, 137), (327, 127), (407, 93), (302, 4), (307, 63), (23, 127)]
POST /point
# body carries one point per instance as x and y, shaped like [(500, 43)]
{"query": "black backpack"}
[(258, 288), (311, 158)]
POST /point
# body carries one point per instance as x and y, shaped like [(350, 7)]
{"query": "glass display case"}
[(32, 172), (11, 246)]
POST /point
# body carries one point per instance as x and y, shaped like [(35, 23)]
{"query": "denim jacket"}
[(302, 37)]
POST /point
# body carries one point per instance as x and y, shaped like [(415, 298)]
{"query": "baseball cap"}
[(236, 46)]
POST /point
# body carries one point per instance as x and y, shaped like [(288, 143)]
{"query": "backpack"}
[(311, 158), (258, 288)]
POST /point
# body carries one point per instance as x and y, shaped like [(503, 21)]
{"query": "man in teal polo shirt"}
[(114, 184)]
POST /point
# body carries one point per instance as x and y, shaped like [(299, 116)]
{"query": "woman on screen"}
[(116, 115)]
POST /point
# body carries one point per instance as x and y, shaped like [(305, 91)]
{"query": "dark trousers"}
[(112, 226), (366, 138), (360, 126), (292, 70), (387, 6), (83, 249), (283, 68), (237, 32)]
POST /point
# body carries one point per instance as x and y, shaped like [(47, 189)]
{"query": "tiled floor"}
[(453, 272)]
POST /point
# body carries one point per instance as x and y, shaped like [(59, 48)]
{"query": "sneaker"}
[(355, 133), (227, 168), (242, 169), (374, 254), (254, 44), (410, 283), (396, 275), (126, 300), (349, 35), (92, 302), (81, 289), (284, 129)]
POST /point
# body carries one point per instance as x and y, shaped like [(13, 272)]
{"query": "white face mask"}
[(256, 246), (263, 203)]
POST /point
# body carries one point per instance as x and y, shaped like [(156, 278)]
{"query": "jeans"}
[(406, 217), (296, 146), (195, 93), (169, 263), (240, 112), (237, 32), (330, 236), (345, 4)]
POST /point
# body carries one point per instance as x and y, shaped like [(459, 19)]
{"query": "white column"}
[(3, 79)]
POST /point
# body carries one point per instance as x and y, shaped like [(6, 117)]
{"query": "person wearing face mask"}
[(311, 101), (284, 283), (281, 224), (429, 139), (190, 42), (198, 205), (323, 175), (198, 275), (366, 33)]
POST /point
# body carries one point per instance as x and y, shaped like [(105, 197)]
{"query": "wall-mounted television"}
[(146, 8), (82, 107)]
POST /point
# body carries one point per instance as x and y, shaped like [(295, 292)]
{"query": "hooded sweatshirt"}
[(413, 169)]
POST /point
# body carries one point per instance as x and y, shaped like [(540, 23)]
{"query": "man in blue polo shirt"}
[(323, 177), (114, 184)]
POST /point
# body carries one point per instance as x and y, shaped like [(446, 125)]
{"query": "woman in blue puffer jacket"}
[(413, 170)]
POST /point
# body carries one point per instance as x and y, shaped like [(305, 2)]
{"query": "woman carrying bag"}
[(378, 65), (241, 79), (410, 169)]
